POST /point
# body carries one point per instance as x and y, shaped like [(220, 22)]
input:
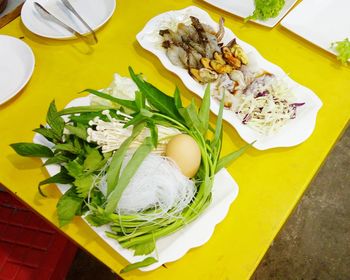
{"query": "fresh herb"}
[(32, 150), (343, 50), (265, 9)]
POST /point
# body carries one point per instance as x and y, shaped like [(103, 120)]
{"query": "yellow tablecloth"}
[(271, 182)]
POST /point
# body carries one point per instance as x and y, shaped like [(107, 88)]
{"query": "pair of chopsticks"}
[(48, 16)]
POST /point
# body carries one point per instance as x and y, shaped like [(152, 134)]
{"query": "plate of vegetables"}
[(261, 102), (267, 13), (144, 171)]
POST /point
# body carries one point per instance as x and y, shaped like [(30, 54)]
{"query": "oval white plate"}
[(16, 66), (292, 133), (95, 12), (176, 245)]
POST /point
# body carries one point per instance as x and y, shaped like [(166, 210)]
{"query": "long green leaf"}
[(83, 109), (31, 150), (218, 127), (228, 159), (154, 132), (140, 100), (203, 113), (140, 154), (118, 157), (177, 98), (190, 116), (146, 262), (159, 100), (123, 102)]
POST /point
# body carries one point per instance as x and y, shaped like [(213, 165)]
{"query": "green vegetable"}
[(128, 172), (117, 159), (31, 150), (68, 205), (123, 102), (55, 121), (343, 49), (60, 178), (146, 262), (265, 9)]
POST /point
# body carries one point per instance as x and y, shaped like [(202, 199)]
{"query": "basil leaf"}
[(60, 178), (68, 205), (203, 113), (56, 159), (48, 133), (146, 262), (131, 167), (55, 121), (84, 109), (69, 147), (156, 98), (123, 102), (32, 150), (79, 131), (118, 157)]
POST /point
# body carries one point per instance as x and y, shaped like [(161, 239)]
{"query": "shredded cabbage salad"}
[(267, 104)]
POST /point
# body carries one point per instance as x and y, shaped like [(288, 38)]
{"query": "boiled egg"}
[(185, 152)]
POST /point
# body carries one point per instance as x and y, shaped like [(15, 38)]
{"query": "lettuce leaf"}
[(343, 50), (265, 9)]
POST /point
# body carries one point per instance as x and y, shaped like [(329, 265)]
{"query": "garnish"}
[(343, 50), (265, 9)]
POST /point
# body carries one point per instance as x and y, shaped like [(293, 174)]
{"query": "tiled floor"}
[(313, 245)]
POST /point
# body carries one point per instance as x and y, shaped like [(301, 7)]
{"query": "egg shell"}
[(184, 150)]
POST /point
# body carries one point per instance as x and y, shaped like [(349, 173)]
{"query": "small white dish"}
[(16, 66), (246, 8), (320, 22), (95, 13), (292, 133), (176, 245)]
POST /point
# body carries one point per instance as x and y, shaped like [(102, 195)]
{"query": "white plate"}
[(176, 245), (292, 133), (94, 12), (320, 22), (16, 66), (245, 8)]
